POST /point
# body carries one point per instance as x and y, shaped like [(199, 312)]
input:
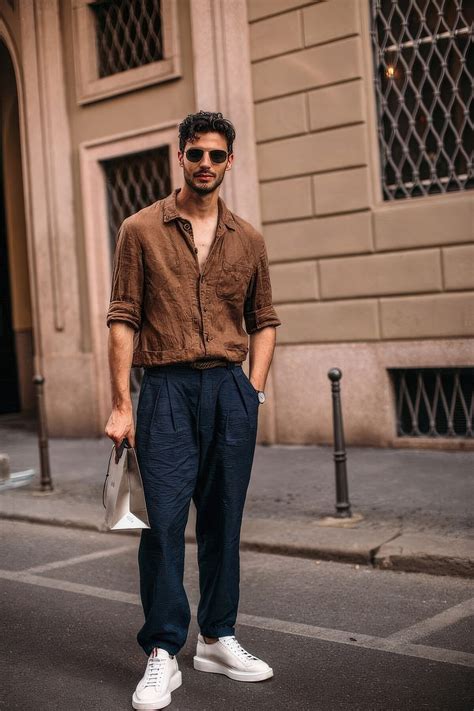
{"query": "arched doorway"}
[(16, 332)]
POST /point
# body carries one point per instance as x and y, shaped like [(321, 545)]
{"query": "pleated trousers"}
[(195, 439)]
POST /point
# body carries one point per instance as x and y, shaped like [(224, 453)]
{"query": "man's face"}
[(205, 176)]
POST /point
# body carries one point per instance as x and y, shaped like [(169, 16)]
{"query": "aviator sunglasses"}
[(194, 155)]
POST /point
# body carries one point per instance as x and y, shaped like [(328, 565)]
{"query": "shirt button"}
[(187, 226), (195, 249)]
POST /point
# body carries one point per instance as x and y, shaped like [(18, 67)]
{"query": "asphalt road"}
[(338, 636)]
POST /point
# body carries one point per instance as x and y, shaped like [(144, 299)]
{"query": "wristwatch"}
[(261, 396)]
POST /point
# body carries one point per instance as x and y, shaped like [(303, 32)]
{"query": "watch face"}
[(261, 396)]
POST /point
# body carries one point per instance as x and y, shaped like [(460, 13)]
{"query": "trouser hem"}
[(218, 631), (169, 648)]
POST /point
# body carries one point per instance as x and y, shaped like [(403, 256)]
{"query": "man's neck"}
[(195, 206)]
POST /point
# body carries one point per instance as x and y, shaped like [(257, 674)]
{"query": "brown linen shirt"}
[(178, 313)]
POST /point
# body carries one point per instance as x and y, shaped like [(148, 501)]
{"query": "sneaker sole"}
[(175, 682), (206, 665)]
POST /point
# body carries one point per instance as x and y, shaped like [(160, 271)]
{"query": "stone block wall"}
[(347, 267)]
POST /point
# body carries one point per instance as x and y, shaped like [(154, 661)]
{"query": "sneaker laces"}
[(154, 671), (235, 647)]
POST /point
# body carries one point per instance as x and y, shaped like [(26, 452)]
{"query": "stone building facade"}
[(373, 276)]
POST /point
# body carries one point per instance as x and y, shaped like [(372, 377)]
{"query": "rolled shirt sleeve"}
[(127, 279), (258, 308)]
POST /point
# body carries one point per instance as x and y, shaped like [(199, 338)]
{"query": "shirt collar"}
[(170, 210)]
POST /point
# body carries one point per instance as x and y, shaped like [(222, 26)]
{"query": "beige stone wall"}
[(346, 266)]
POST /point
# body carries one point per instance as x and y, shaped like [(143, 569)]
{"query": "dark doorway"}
[(9, 390), (15, 308)]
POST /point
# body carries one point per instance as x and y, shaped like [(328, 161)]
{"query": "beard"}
[(205, 188)]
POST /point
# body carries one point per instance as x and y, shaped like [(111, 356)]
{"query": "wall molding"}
[(50, 219)]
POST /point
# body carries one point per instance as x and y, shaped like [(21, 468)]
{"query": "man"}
[(187, 272)]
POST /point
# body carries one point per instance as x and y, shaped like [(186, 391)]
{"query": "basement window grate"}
[(434, 402)]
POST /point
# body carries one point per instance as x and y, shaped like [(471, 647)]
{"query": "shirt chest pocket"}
[(233, 279)]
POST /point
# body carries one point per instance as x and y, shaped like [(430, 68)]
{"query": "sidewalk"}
[(415, 504)]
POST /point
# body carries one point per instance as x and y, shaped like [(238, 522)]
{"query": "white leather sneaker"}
[(227, 656), (161, 677)]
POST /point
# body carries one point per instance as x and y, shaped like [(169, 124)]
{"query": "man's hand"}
[(120, 426)]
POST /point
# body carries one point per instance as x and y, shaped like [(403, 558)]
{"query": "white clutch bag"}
[(123, 496)]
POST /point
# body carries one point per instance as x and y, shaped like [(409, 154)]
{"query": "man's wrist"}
[(260, 392), (123, 405)]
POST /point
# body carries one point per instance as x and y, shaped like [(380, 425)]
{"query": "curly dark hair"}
[(204, 122)]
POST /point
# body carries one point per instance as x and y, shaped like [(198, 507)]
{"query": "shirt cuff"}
[(124, 311), (261, 318)]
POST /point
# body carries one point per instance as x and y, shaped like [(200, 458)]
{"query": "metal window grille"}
[(135, 181), (128, 34), (424, 69), (434, 402)]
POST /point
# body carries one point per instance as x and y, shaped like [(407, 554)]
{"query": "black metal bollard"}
[(343, 506), (46, 483)]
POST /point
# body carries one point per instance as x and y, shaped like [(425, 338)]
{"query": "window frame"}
[(90, 86), (97, 247)]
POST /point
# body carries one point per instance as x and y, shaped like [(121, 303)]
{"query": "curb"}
[(382, 548), (422, 553)]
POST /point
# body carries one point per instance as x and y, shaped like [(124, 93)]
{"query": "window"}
[(121, 45), (128, 34), (424, 68), (135, 181), (120, 174), (434, 402)]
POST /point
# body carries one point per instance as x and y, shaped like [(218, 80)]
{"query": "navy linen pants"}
[(195, 438)]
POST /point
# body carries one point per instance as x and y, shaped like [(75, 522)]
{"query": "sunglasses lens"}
[(218, 156), (194, 155)]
